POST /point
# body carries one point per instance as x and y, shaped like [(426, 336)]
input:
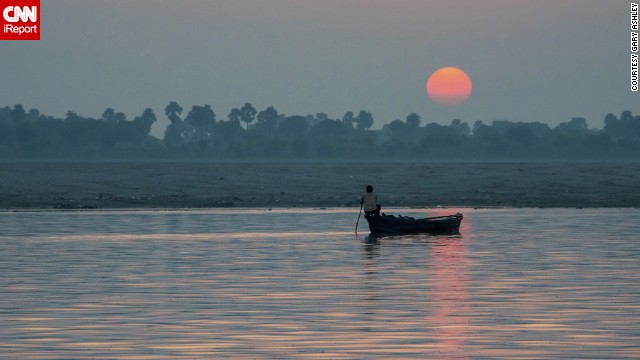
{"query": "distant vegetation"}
[(201, 134)]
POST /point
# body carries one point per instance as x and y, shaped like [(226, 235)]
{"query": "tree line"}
[(200, 134)]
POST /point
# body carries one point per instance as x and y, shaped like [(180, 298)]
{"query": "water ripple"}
[(516, 284)]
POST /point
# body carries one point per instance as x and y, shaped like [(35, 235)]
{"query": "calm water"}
[(517, 284)]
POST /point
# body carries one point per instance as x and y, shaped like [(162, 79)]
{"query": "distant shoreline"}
[(263, 185)]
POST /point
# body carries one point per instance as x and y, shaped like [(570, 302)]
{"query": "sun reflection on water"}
[(449, 267), (77, 286)]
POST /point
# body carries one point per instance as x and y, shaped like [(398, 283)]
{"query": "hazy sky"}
[(543, 60)]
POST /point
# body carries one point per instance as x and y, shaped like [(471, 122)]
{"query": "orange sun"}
[(449, 86)]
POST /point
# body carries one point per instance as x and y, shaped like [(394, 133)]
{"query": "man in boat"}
[(369, 202)]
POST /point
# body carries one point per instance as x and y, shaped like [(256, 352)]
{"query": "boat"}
[(399, 225)]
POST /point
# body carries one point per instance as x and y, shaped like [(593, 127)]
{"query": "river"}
[(299, 283)]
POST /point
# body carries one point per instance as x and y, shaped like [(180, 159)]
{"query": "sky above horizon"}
[(544, 60)]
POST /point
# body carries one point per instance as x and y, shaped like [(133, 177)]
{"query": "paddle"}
[(360, 213)]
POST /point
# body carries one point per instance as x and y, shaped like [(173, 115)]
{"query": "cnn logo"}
[(20, 20), (24, 14)]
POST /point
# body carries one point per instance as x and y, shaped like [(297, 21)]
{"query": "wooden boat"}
[(398, 225)]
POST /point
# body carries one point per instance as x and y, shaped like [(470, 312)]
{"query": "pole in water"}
[(360, 213)]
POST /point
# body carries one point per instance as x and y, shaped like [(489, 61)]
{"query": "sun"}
[(449, 86)]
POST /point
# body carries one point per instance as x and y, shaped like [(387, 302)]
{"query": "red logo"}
[(20, 20)]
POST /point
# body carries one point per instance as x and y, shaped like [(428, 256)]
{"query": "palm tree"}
[(172, 111), (248, 114), (234, 115), (176, 130)]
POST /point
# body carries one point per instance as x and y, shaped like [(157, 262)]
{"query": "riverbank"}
[(60, 185)]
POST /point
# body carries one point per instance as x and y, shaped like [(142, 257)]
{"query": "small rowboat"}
[(399, 225)]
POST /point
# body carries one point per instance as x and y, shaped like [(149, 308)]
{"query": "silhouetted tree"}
[(413, 120), (121, 118), (396, 140), (321, 116), (175, 131), (6, 130), (145, 121), (329, 137), (136, 132), (349, 119), (487, 141), (397, 128), (18, 114), (26, 134), (627, 127), (267, 121), (228, 136), (30, 134), (443, 141), (364, 120), (201, 119), (598, 145), (109, 115), (173, 111), (234, 115), (521, 137), (294, 127), (247, 114), (33, 115), (577, 125), (229, 129), (461, 128)]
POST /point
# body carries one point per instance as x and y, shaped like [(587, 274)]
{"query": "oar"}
[(360, 213)]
